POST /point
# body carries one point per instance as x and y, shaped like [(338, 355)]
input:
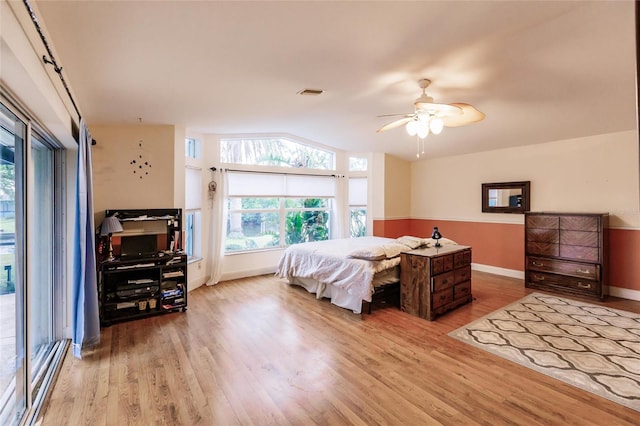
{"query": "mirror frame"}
[(524, 186)]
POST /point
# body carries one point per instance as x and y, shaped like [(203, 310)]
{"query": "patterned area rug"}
[(592, 347)]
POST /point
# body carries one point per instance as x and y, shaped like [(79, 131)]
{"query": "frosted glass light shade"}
[(423, 131), (412, 127), (436, 125)]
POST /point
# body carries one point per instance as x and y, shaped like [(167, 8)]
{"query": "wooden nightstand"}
[(435, 280)]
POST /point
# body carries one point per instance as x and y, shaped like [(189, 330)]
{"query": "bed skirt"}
[(341, 297)]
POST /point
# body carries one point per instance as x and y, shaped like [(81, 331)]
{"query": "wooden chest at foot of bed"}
[(435, 280)]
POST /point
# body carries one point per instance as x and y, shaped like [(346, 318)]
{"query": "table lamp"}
[(109, 226), (436, 236)]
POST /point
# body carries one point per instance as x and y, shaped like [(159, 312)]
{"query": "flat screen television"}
[(138, 246)]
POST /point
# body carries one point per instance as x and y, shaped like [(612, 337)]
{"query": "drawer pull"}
[(579, 284), (445, 281), (538, 278), (443, 297), (583, 271), (534, 263)]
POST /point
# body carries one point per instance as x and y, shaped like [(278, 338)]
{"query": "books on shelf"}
[(171, 293), (140, 281), (172, 274)]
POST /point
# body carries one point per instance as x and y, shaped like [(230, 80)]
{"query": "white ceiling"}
[(540, 71)]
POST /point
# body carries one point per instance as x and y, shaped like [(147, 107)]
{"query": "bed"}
[(347, 271)]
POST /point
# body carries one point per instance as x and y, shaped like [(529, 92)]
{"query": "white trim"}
[(624, 293), (498, 271), (392, 218), (519, 221), (506, 222), (226, 276)]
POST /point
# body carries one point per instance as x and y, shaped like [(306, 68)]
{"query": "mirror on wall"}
[(505, 197)]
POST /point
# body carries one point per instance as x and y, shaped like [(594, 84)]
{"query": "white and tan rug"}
[(592, 347)]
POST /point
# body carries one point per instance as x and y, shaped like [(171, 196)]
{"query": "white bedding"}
[(328, 263)]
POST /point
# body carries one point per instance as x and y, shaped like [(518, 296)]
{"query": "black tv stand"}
[(136, 288)]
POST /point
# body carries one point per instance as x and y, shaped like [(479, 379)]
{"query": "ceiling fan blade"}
[(406, 114), (469, 115), (394, 124)]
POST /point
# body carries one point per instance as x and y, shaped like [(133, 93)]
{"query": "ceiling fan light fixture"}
[(412, 128), (431, 117), (436, 125), (423, 131)]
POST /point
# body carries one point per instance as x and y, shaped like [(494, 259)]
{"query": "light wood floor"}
[(257, 351)]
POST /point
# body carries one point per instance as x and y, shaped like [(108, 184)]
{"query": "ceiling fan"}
[(430, 117)]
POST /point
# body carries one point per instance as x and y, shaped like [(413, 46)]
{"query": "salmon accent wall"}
[(502, 244), (624, 264), (392, 228)]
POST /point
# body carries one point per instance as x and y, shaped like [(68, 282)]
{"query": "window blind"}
[(279, 185), (357, 191), (193, 188)]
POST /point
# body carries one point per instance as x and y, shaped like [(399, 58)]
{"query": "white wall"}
[(114, 181), (397, 188), (591, 174)]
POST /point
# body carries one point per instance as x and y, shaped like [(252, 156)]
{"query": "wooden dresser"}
[(435, 280), (567, 253)]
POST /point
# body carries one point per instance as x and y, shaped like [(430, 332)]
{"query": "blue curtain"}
[(86, 321)]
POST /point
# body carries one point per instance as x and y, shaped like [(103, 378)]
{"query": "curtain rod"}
[(51, 60), (276, 173)]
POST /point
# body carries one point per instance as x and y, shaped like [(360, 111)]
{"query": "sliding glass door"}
[(30, 279), (13, 376)]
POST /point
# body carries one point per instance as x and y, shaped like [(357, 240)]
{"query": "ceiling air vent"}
[(310, 92)]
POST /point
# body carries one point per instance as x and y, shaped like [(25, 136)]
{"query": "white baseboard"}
[(247, 273), (498, 271), (624, 293)]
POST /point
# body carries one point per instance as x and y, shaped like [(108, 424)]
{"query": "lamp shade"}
[(436, 234), (110, 225)]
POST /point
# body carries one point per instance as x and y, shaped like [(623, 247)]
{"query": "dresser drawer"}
[(543, 235), (580, 253), (579, 270), (443, 281), (543, 249), (564, 282), (461, 259), (579, 223), (461, 290), (549, 222), (462, 274), (441, 298), (580, 238), (441, 264)]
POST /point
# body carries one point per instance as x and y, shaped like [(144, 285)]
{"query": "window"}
[(358, 198), (357, 207), (278, 152), (193, 148), (192, 236), (267, 210), (193, 201), (358, 164)]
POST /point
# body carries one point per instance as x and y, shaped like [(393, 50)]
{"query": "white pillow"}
[(412, 242), (392, 250), (369, 253)]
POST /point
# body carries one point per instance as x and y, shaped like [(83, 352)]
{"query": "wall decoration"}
[(141, 167)]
